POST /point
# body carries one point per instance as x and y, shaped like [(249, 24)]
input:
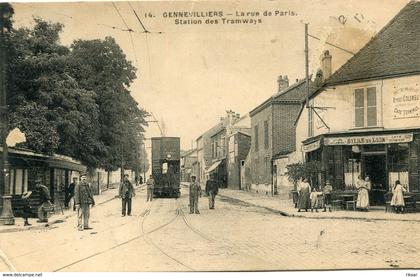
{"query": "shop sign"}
[(406, 101), (359, 140), (312, 146)]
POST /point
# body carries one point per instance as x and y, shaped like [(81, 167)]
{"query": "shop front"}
[(384, 157)]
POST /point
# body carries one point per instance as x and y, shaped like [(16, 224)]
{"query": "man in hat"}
[(126, 192), (150, 186), (69, 190), (327, 196), (26, 207), (45, 199), (212, 189), (195, 193), (83, 198)]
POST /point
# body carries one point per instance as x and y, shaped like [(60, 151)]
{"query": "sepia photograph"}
[(272, 136)]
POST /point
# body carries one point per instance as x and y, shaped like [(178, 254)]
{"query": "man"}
[(327, 196), (45, 199), (70, 193), (195, 193), (126, 192), (26, 207), (83, 198), (212, 189), (150, 186)]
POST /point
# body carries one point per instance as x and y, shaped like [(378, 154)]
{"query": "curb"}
[(59, 219), (286, 214)]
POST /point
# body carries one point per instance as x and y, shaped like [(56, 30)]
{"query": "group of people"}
[(308, 197), (211, 190)]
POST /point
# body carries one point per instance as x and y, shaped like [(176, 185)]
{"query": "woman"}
[(363, 188), (397, 200), (304, 190)]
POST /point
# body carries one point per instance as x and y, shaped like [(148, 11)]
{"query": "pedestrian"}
[(70, 194), (212, 189), (83, 198), (194, 194), (314, 199), (326, 191), (141, 180), (26, 207), (363, 188), (150, 186), (397, 200), (45, 206), (126, 192), (304, 190)]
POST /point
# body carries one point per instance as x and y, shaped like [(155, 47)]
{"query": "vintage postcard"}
[(175, 136)]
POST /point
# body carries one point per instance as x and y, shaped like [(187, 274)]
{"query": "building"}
[(212, 147), (365, 119), (188, 159), (56, 171), (273, 132)]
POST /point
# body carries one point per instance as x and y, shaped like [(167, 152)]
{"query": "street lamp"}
[(6, 217)]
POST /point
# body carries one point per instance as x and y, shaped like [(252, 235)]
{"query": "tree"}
[(78, 95), (297, 171)]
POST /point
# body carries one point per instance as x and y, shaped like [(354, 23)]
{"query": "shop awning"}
[(311, 146), (213, 166)]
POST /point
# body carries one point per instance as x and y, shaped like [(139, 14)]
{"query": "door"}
[(375, 167), (242, 174)]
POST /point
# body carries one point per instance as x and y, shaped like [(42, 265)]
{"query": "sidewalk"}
[(286, 208), (59, 217)]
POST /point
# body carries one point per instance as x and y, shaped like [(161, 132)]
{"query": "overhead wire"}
[(129, 32)]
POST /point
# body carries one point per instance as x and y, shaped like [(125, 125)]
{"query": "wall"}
[(341, 116), (238, 148), (284, 117), (284, 186), (259, 170)]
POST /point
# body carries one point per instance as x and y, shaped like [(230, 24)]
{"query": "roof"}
[(295, 93), (394, 51)]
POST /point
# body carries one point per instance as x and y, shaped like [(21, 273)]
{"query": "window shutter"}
[(338, 170), (371, 113), (359, 107), (414, 184)]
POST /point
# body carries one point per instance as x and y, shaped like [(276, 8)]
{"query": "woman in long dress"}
[(304, 190), (363, 188), (397, 200)]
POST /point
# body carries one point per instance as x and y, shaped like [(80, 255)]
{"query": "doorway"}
[(374, 166)]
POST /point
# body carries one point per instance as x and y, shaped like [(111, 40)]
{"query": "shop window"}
[(18, 181), (365, 107), (398, 163), (352, 166)]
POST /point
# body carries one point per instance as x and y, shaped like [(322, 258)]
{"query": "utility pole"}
[(6, 217), (307, 78)]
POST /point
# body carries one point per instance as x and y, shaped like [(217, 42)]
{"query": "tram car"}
[(166, 166)]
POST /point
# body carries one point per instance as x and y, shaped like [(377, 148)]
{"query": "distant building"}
[(188, 159), (212, 147), (273, 133)]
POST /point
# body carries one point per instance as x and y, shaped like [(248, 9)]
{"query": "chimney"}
[(326, 65), (283, 82)]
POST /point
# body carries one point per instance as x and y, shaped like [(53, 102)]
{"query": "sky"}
[(190, 74)]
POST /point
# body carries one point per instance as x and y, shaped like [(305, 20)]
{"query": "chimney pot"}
[(283, 83)]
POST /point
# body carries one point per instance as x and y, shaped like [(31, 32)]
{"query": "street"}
[(163, 236)]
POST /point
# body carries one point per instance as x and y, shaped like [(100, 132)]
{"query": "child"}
[(327, 196), (26, 207), (397, 200), (314, 199)]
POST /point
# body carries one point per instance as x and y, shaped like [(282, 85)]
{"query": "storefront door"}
[(374, 166)]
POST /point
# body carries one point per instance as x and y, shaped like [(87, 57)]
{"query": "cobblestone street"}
[(163, 236)]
